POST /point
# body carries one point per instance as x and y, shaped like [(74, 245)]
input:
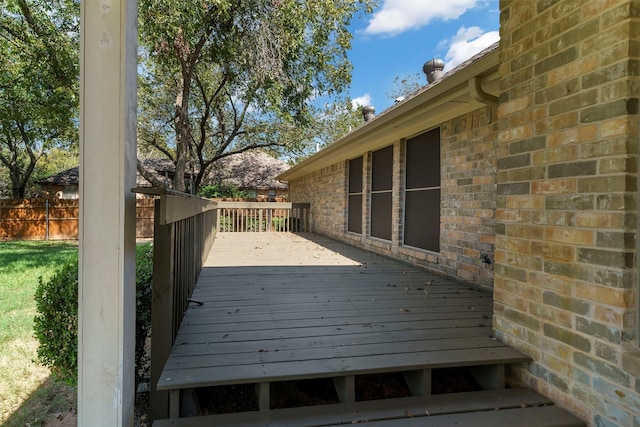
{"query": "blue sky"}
[(401, 35)]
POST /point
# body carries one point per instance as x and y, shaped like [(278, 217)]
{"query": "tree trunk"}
[(182, 133)]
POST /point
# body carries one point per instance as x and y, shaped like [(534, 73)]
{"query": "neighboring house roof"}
[(248, 170), (72, 177), (66, 177), (465, 88)]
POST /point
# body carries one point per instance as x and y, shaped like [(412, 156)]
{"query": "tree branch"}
[(148, 175)]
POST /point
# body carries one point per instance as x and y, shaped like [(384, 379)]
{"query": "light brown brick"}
[(573, 69), (554, 186), (600, 294), (569, 235)]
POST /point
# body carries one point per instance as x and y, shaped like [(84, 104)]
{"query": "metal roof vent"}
[(433, 69), (368, 112)]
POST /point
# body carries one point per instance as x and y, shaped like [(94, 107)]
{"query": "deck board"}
[(283, 306), (513, 407)]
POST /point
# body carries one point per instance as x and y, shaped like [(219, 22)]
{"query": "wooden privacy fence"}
[(57, 219), (242, 217), (185, 227)]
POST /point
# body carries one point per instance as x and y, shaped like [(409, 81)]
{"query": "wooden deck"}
[(281, 307)]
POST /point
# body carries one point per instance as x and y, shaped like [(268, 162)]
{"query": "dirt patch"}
[(381, 386), (227, 399), (61, 419), (294, 394), (453, 380), (69, 418)]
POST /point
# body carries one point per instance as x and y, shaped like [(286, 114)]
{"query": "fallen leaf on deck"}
[(404, 310)]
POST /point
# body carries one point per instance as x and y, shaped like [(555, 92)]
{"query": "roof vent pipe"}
[(433, 69), (368, 112)]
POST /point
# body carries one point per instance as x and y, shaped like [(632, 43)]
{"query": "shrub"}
[(144, 281), (222, 190), (56, 324)]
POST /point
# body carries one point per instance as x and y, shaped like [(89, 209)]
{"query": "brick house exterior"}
[(538, 193), (467, 183)]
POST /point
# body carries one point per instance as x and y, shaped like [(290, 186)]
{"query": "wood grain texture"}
[(280, 306)]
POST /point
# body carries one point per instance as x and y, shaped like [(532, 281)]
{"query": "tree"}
[(226, 76), (405, 86), (330, 123), (38, 83)]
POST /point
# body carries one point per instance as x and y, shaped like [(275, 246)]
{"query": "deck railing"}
[(184, 230), (244, 217)]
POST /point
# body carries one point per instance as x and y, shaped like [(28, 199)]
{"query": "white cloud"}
[(361, 101), (397, 16), (466, 43)]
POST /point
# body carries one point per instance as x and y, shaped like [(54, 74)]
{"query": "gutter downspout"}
[(477, 93)]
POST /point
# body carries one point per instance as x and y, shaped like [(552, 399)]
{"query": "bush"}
[(221, 190), (56, 324)]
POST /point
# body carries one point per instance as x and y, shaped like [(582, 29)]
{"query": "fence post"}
[(161, 331), (46, 219)]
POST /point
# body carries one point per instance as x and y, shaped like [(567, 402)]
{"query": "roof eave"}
[(445, 99)]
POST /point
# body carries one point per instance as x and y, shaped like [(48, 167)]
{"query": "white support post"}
[(106, 330)]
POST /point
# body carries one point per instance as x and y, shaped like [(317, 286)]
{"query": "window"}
[(69, 192), (381, 192), (354, 220), (422, 193)]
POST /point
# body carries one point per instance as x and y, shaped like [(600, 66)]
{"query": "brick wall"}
[(469, 195), (468, 147), (326, 190), (566, 289)]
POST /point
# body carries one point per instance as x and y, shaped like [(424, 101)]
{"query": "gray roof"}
[(248, 170), (72, 177), (66, 177)]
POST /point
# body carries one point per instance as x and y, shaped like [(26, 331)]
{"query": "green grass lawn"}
[(21, 265)]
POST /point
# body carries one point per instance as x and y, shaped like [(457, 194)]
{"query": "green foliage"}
[(334, 121), (144, 290), (227, 76), (226, 224), (38, 83), (222, 190), (279, 224), (21, 265), (407, 85), (56, 324)]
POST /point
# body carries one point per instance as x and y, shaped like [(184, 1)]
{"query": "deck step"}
[(510, 408)]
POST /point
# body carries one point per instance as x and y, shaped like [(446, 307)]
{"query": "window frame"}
[(355, 195), (428, 184), (381, 194)]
